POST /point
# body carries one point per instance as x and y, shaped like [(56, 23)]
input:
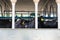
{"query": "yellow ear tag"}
[(23, 22), (42, 19)]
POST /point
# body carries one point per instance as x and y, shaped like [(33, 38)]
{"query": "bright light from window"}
[(26, 15), (10, 15), (18, 15), (51, 15), (55, 15), (0, 14), (46, 15)]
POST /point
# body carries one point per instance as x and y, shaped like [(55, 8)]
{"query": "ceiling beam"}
[(7, 4), (43, 6)]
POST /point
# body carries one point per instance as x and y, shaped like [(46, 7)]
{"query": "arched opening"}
[(49, 15)]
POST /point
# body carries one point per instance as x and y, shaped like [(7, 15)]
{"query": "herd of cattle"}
[(30, 23)]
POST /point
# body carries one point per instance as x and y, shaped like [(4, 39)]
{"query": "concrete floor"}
[(29, 34)]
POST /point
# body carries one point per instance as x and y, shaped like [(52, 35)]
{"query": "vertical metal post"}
[(13, 15), (58, 15), (36, 15)]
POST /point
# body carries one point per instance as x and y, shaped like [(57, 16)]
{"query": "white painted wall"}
[(29, 34)]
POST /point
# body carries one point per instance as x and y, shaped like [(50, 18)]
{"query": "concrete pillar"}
[(58, 9), (13, 12), (36, 13)]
